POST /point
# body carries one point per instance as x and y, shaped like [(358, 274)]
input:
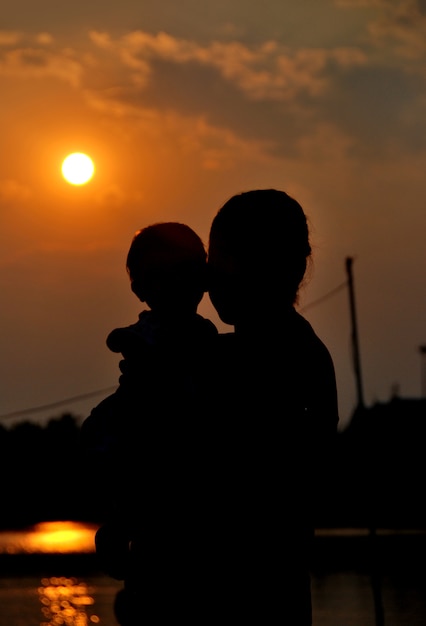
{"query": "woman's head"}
[(258, 252)]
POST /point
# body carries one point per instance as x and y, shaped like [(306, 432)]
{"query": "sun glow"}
[(50, 537), (78, 168)]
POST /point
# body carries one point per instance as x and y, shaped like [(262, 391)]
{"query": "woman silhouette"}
[(276, 404)]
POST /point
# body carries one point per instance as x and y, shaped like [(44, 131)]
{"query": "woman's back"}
[(276, 417)]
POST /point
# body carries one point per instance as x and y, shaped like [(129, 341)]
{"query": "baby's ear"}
[(138, 290)]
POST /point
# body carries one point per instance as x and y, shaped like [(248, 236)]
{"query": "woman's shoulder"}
[(306, 333)]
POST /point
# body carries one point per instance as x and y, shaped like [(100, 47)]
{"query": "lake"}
[(49, 576)]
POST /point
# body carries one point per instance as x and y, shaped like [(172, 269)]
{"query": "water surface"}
[(49, 576)]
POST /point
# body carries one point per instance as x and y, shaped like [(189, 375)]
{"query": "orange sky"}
[(180, 108)]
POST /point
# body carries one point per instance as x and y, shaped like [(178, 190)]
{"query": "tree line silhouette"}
[(43, 472), (377, 473)]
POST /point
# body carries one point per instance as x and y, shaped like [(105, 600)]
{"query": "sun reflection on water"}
[(49, 538), (66, 601)]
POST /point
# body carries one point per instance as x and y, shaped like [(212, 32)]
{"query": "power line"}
[(53, 405), (325, 297), (91, 394)]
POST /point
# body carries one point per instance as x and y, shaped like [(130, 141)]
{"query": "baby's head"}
[(167, 265), (258, 252)]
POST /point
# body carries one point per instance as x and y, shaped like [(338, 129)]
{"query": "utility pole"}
[(355, 345), (423, 370)]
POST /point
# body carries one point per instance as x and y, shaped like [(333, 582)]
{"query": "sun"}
[(78, 168)]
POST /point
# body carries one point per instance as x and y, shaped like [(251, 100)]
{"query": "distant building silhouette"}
[(380, 468)]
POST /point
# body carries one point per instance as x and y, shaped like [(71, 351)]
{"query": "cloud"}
[(267, 95), (218, 147), (26, 56), (270, 94), (267, 71), (399, 27), (44, 38), (34, 63), (263, 94), (9, 38), (403, 27)]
